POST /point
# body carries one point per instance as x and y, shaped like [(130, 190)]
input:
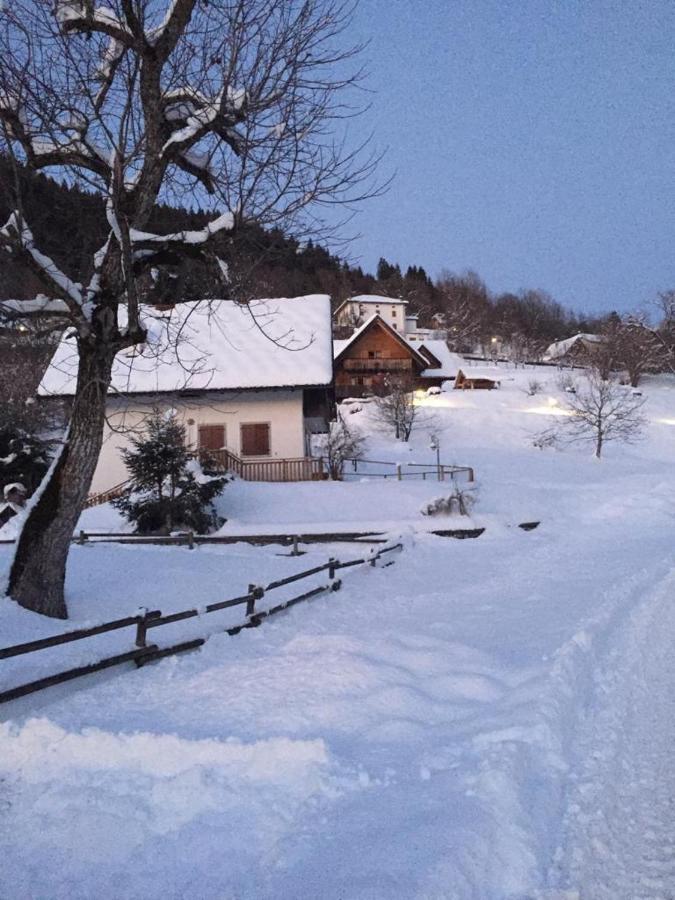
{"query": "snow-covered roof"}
[(375, 298), (450, 362), (482, 372), (560, 348), (340, 346), (217, 345)]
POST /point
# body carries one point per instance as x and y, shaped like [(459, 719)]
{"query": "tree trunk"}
[(38, 573), (598, 445)]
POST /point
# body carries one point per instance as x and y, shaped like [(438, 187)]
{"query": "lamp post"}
[(435, 444)]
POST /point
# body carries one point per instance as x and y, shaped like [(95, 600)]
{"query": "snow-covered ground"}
[(487, 718)]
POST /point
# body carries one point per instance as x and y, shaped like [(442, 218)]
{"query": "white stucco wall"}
[(281, 409), (353, 311)]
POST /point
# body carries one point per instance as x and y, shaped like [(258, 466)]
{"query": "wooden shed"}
[(475, 381)]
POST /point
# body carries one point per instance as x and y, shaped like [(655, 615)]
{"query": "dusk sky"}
[(533, 142)]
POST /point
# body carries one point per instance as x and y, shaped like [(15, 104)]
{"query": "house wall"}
[(392, 311), (283, 410), (357, 373)]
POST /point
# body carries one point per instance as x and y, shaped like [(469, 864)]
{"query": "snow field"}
[(481, 719)]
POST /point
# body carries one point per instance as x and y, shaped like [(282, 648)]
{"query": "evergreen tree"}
[(24, 458), (167, 490)]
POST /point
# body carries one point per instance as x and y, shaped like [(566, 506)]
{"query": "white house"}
[(254, 380), (357, 310)]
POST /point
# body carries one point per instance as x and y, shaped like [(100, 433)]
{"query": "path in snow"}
[(621, 819)]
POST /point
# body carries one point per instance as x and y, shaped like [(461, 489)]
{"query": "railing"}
[(105, 496), (303, 468), (426, 471), (377, 365), (146, 620)]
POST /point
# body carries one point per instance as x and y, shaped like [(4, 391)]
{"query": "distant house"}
[(376, 351), (475, 379), (573, 349), (252, 381), (357, 310)]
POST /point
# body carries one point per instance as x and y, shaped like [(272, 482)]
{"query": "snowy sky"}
[(533, 142)]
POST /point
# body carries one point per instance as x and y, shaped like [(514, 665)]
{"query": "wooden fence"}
[(302, 468), (400, 471), (144, 652), (106, 496)]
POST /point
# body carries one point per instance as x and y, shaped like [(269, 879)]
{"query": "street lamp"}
[(435, 444)]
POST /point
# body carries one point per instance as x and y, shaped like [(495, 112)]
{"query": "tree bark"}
[(38, 573)]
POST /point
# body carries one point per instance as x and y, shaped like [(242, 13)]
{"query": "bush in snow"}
[(567, 383), (167, 489), (546, 439), (340, 444), (534, 387), (460, 501)]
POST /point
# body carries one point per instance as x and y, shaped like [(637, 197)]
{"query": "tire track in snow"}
[(620, 824)]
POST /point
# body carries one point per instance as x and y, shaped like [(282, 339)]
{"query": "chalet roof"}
[(476, 373), (560, 348), (217, 345), (449, 362), (339, 347)]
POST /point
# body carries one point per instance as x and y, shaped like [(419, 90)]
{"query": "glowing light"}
[(547, 411), (665, 421)]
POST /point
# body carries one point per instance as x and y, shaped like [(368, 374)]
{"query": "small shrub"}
[(534, 387), (546, 440), (459, 501)]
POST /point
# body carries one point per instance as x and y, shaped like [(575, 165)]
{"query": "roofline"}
[(196, 390), (399, 337), (358, 299)]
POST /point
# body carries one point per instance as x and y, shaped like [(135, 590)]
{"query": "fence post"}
[(398, 471), (191, 540), (295, 551), (142, 628), (254, 593), (471, 476), (82, 539), (332, 562)]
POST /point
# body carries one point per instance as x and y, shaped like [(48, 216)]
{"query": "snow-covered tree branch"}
[(234, 103)]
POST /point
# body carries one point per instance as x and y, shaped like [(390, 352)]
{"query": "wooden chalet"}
[(376, 352)]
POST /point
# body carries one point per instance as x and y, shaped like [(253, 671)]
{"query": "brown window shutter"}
[(255, 439), (211, 437)]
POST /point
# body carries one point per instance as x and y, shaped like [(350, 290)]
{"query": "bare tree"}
[(341, 444), (464, 303), (395, 408), (148, 101), (602, 411)]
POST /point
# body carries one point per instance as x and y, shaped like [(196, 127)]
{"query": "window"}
[(255, 439), (393, 311), (211, 437), (374, 354)]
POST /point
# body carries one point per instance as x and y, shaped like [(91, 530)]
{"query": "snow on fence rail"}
[(149, 619), (191, 540)]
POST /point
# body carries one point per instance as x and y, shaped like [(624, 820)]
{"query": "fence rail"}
[(302, 468), (146, 620), (399, 471)]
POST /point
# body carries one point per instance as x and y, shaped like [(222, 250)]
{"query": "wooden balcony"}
[(377, 365), (303, 468)]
